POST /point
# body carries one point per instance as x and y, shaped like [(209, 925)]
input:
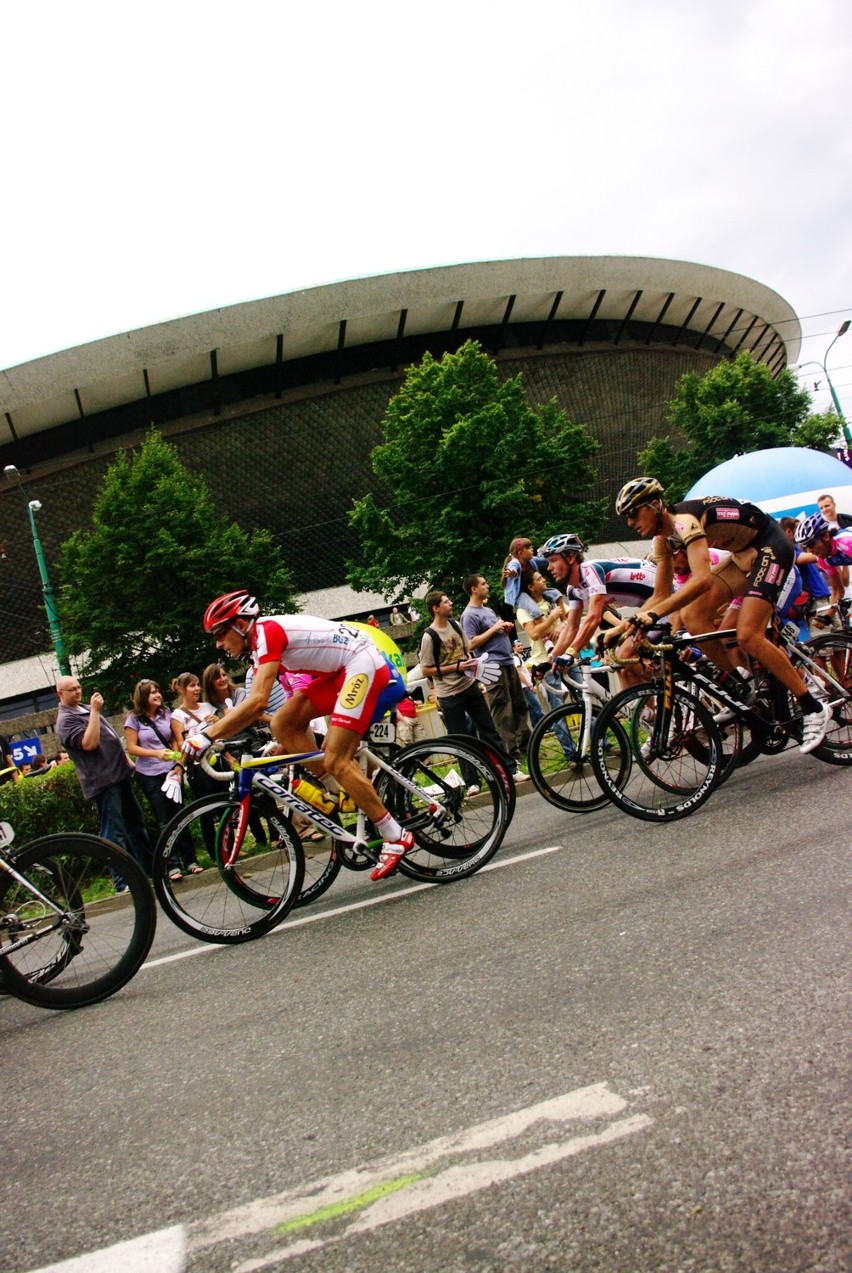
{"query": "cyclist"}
[(758, 570), (350, 674), (833, 548), (599, 585)]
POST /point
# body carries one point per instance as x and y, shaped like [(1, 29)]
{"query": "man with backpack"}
[(445, 659)]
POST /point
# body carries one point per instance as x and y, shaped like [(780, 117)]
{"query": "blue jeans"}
[(123, 823), (164, 810), (537, 713)]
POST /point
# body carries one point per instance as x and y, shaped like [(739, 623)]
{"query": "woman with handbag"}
[(153, 739)]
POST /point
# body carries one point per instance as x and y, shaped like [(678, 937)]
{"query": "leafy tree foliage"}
[(135, 586), (468, 464), (734, 408)]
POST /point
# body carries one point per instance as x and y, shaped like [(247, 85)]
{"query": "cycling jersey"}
[(350, 670), (725, 523), (624, 581), (717, 555), (841, 549), (761, 555)]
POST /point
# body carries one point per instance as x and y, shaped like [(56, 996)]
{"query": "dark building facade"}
[(285, 442)]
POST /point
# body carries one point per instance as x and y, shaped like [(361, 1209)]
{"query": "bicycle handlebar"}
[(221, 776)]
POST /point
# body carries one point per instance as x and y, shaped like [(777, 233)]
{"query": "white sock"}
[(388, 827)]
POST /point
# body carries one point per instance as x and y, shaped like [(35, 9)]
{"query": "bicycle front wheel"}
[(85, 941), (670, 776), (833, 652), (472, 831), (235, 899), (560, 759)]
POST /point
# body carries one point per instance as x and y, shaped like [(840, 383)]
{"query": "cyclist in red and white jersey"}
[(350, 674)]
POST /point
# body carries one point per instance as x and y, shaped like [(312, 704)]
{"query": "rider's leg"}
[(755, 615), (702, 615), (291, 725), (340, 748)]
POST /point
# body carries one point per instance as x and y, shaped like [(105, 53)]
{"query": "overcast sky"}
[(162, 159)]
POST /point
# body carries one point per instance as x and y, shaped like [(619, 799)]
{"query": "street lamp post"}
[(844, 327), (33, 507)]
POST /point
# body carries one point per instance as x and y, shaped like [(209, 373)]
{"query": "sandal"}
[(194, 869), (315, 836), (175, 875)]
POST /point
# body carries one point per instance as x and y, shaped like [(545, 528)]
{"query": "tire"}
[(834, 652), (475, 825), (568, 780), (682, 775), (231, 903), (498, 761), (103, 938)]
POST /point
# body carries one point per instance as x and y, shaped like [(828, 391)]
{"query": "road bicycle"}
[(251, 888), (675, 756), (67, 937), (560, 746)]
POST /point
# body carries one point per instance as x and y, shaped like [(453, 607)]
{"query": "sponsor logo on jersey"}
[(774, 573), (354, 691), (727, 514)]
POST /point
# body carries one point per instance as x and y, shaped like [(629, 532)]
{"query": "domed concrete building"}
[(279, 402)]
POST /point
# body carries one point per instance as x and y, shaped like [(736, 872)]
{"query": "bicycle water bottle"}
[(314, 795)]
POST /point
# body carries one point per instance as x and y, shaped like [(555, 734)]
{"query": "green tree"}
[(736, 407), (135, 586), (467, 464)]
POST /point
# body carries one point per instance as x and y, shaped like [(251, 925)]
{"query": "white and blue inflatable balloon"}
[(785, 481)]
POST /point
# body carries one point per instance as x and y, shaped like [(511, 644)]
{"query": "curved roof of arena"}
[(325, 334)]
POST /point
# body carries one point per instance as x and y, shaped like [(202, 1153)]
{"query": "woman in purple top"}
[(152, 739)]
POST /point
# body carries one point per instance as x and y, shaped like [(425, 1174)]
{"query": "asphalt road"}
[(627, 1052)]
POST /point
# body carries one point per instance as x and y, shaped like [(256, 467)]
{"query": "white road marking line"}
[(595, 1101), (161, 1252), (377, 1194), (206, 947), (456, 1182)]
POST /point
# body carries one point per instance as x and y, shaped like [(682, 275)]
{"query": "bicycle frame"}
[(11, 947), (252, 772), (674, 668)]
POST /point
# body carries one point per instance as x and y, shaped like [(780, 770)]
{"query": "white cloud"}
[(169, 158)]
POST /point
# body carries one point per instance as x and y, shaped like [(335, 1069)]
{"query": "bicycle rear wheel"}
[(561, 769), (97, 941), (232, 900), (668, 777), (474, 827)]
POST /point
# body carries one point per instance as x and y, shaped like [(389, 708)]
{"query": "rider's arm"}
[(592, 621), (698, 556), (252, 706)]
